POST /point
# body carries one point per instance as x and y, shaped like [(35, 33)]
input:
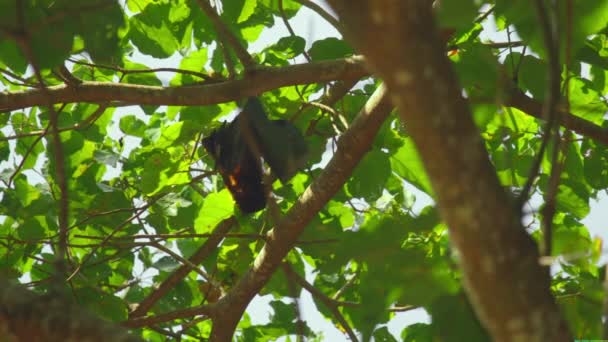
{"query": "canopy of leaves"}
[(144, 201)]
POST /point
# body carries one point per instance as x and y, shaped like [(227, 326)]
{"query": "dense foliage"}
[(109, 198)]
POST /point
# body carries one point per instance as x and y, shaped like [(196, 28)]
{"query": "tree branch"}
[(25, 316), (138, 322), (327, 301), (523, 102), (180, 273), (499, 260), (256, 81)]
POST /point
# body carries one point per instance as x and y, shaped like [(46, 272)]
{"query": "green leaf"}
[(370, 176), (153, 31), (248, 9), (217, 207), (417, 332), (474, 57), (586, 102), (407, 164), (454, 320), (131, 125), (570, 237), (195, 61), (457, 14), (4, 148), (101, 30), (329, 48), (32, 229), (287, 47), (12, 56), (166, 264), (572, 201), (590, 17)]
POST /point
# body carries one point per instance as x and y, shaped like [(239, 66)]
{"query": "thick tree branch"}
[(500, 261), (25, 316), (256, 81), (352, 146), (261, 80)]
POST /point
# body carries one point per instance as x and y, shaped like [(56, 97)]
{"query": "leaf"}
[(457, 14), (287, 47), (131, 125), (407, 165), (572, 201), (370, 175), (329, 48), (195, 61), (454, 320), (216, 207), (166, 264), (474, 57), (31, 229), (153, 32), (247, 11), (590, 17)]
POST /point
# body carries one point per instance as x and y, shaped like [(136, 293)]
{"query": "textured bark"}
[(352, 146), (253, 83), (505, 282), (27, 317)]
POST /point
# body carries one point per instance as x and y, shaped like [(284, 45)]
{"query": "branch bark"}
[(352, 146), (504, 280), (253, 83), (25, 316)]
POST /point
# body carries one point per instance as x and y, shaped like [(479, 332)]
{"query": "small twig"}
[(106, 239), (78, 126), (180, 259), (142, 71), (335, 114), (65, 74), (180, 273), (227, 60), (485, 15), (327, 301), (296, 303), (139, 322), (198, 140), (502, 45), (25, 156), (289, 28), (168, 333), (188, 325), (172, 236), (59, 157), (24, 82), (225, 34), (550, 112), (323, 13), (344, 287)]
